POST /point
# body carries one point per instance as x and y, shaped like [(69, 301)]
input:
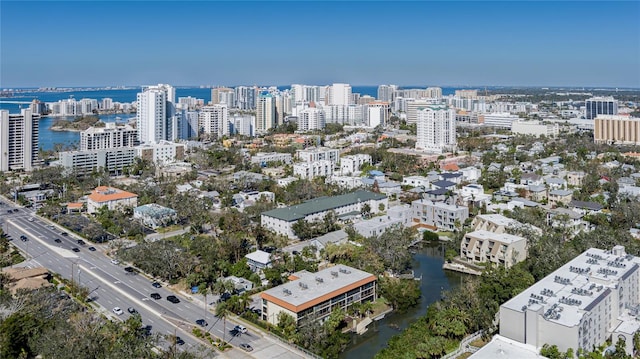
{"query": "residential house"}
[(567, 218), (471, 174), (576, 178), (560, 196), (443, 185), (451, 177), (154, 215), (416, 181), (319, 243), (240, 285), (537, 193), (258, 260), (398, 216), (555, 183), (585, 208), (531, 179)]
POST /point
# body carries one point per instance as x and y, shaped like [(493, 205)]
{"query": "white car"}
[(241, 329), (118, 311), (115, 261)]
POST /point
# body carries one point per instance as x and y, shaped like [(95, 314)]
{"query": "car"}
[(75, 249), (24, 238), (58, 240), (30, 219), (118, 311), (156, 285), (224, 297), (115, 261), (179, 341), (246, 347), (132, 310), (240, 328), (129, 269), (235, 333), (146, 330), (81, 242), (15, 210), (173, 299), (51, 226), (202, 322), (156, 296), (65, 234), (93, 249), (9, 211)]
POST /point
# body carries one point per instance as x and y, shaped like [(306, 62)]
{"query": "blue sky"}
[(455, 43)]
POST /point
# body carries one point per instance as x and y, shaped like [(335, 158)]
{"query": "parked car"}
[(202, 322), (118, 311), (156, 296), (246, 347), (173, 299)]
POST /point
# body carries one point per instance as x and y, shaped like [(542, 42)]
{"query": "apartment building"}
[(108, 137), (318, 154), (19, 144), (352, 164), (580, 305), (310, 170), (267, 157), (616, 129), (502, 249), (316, 295), (113, 161), (438, 215)]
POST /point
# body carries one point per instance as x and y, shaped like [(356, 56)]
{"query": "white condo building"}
[(18, 141), (351, 164), (311, 170), (155, 117), (108, 137), (318, 154), (340, 94), (436, 129), (377, 113), (593, 297), (311, 119), (213, 120)]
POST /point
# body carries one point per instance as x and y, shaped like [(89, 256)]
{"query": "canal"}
[(428, 263)]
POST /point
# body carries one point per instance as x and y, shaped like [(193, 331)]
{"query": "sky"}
[(429, 43)]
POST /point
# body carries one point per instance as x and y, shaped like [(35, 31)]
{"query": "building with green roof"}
[(280, 220)]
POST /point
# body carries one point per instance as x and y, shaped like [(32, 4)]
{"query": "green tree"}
[(287, 324), (222, 311)]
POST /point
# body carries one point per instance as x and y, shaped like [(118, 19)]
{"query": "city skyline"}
[(477, 43)]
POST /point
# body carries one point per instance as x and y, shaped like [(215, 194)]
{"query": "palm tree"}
[(221, 312), (203, 289)]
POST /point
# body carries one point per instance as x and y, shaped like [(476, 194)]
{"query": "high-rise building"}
[(155, 117), (223, 95), (600, 106), (189, 127), (377, 113), (436, 127), (18, 141), (213, 120), (616, 129), (434, 92), (108, 137), (265, 112), (340, 94), (386, 93), (311, 119), (242, 124), (245, 97)]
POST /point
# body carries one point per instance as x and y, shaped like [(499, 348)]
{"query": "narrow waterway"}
[(428, 263)]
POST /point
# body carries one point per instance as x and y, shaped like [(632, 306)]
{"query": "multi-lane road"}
[(111, 286)]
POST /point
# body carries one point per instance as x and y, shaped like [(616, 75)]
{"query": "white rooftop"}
[(501, 347), (311, 286), (497, 219), (501, 237), (259, 257), (573, 289)]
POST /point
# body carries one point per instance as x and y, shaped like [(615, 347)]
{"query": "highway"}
[(111, 286)]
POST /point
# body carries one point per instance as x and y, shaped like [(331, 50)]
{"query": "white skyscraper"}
[(213, 120), (340, 94), (436, 127), (18, 141), (311, 119), (386, 93), (155, 118), (377, 113)]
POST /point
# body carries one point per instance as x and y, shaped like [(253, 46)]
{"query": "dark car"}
[(64, 234), (58, 240), (15, 210), (129, 269), (156, 296), (224, 297), (246, 347), (179, 341), (24, 238), (202, 322), (81, 242), (173, 299), (132, 310), (9, 211), (146, 330), (93, 249), (156, 285), (235, 333), (75, 249)]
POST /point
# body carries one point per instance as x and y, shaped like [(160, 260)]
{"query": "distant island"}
[(77, 124)]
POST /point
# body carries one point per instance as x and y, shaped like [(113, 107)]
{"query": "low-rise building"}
[(398, 216), (316, 295), (499, 248), (535, 128), (351, 164), (264, 158), (560, 196), (113, 161), (416, 181), (594, 297), (110, 197), (161, 153), (575, 178), (438, 215), (311, 170), (258, 260), (281, 220), (319, 154), (154, 215)]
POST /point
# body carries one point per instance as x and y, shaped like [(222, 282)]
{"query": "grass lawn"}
[(478, 343)]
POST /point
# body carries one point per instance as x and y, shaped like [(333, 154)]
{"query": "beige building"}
[(616, 129), (498, 248), (560, 196), (111, 197), (318, 294), (575, 178), (594, 297)]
